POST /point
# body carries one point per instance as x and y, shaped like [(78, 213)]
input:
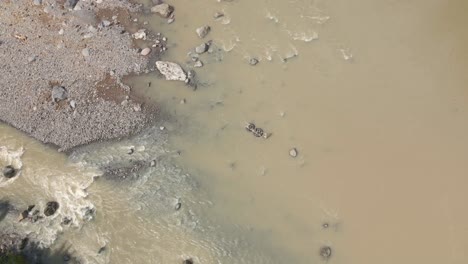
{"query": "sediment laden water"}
[(370, 93)]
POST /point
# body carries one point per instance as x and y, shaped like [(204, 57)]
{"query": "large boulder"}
[(163, 10), (172, 71)]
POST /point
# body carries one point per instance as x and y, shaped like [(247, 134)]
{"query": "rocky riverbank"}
[(62, 64)]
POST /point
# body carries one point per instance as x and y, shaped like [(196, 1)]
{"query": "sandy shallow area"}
[(61, 70)]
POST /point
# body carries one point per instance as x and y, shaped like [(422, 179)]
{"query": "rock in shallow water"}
[(293, 152), (51, 208), (172, 71), (9, 171), (203, 31), (163, 10), (202, 48)]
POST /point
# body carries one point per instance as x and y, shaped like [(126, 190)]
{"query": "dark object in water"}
[(66, 258), (258, 132), (178, 206), (102, 249), (250, 127), (9, 171), (325, 252), (51, 208), (188, 261)]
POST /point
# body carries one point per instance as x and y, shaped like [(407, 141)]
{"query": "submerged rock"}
[(253, 61), (172, 71), (325, 252), (163, 10), (51, 208), (9, 171)]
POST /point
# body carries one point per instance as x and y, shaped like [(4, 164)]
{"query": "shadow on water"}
[(4, 208), (32, 252)]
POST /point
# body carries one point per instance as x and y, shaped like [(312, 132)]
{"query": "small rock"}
[(198, 64), (293, 152), (172, 71), (202, 48), (32, 59), (70, 4), (253, 61), (37, 2), (182, 101), (178, 206), (325, 225), (59, 93), (66, 258), (102, 249), (145, 51), (23, 215), (164, 10), (61, 31), (170, 20), (51, 208), (130, 151), (140, 34), (73, 104), (203, 31), (152, 163), (106, 23), (85, 52), (218, 15), (326, 252), (161, 128), (188, 261), (9, 171)]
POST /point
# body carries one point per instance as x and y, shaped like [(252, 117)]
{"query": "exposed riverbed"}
[(372, 96)]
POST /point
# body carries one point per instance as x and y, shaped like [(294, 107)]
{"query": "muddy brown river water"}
[(373, 96)]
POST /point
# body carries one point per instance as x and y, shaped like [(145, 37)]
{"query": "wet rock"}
[(253, 61), (218, 15), (51, 208), (202, 48), (145, 51), (23, 244), (66, 221), (23, 215), (293, 152), (9, 171), (172, 71), (198, 64), (164, 10), (203, 31), (59, 93), (325, 252)]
